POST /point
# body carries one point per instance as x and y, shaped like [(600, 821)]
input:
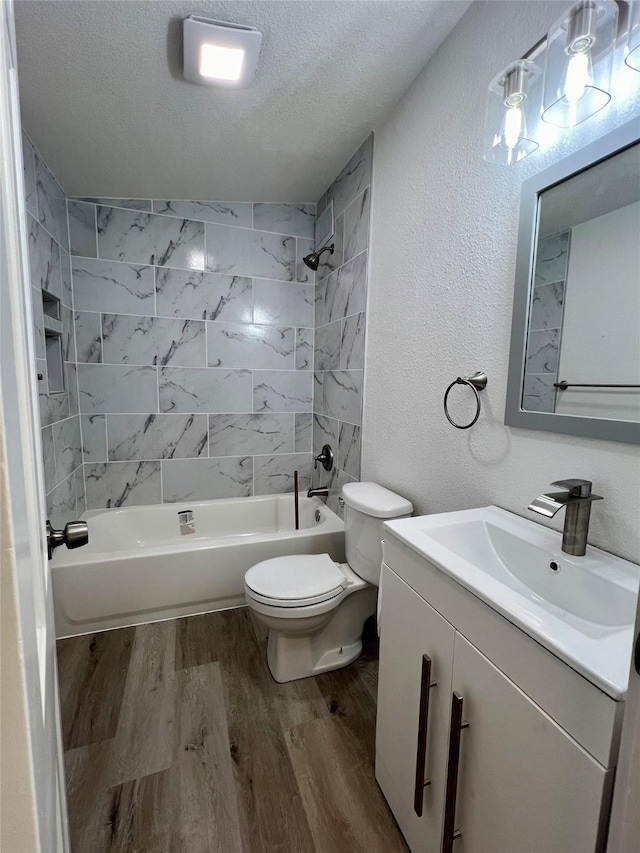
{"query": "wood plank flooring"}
[(178, 740)]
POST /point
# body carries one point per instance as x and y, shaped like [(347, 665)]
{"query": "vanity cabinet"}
[(523, 783)]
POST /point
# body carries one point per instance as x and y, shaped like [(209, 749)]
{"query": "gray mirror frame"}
[(515, 415)]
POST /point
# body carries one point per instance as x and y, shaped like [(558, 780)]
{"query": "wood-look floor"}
[(178, 739)]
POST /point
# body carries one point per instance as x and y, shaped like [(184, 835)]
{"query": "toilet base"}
[(337, 644)]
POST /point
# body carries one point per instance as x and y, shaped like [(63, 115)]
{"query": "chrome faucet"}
[(577, 499), (320, 492)]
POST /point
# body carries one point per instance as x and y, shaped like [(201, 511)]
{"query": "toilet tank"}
[(367, 507)]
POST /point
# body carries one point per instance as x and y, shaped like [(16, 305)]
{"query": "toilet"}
[(315, 608)]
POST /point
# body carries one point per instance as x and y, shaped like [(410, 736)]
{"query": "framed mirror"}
[(574, 365)]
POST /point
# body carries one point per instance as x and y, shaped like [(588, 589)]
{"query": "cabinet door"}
[(411, 630), (524, 786)]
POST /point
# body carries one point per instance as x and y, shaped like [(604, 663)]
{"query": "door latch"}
[(74, 535)]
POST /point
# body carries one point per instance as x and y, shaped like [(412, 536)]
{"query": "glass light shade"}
[(632, 50), (513, 108), (579, 56)]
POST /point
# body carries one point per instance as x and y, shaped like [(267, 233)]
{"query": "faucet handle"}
[(577, 488)]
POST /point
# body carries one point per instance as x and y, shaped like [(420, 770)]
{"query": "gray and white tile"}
[(282, 391), (203, 296), (61, 503), (352, 343), (542, 351), (304, 247), (273, 475), (156, 436), (250, 346), (115, 484), (115, 388), (349, 449), (29, 169), (112, 286), (88, 337), (230, 435), (298, 220), (72, 388), (342, 395), (283, 303), (38, 322), (546, 306), (48, 459), (53, 407), (346, 290), (356, 226), (327, 346), (65, 273), (68, 337), (332, 261), (304, 349), (192, 389), (82, 229), (225, 213), (325, 431), (52, 204), (353, 179), (94, 438), (239, 251), (552, 256), (68, 446), (81, 502), (318, 389), (130, 339), (44, 260), (538, 394), (127, 203), (126, 235), (304, 432), (207, 479)]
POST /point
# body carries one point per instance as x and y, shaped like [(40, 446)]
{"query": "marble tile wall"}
[(194, 327), (340, 324), (50, 270), (545, 323)]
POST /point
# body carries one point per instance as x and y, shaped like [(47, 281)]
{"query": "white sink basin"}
[(580, 608)]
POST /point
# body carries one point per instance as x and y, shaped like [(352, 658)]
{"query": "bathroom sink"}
[(580, 608)]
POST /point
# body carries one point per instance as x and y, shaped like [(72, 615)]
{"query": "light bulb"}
[(513, 127), (577, 78)]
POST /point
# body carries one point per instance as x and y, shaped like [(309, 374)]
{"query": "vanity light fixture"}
[(513, 105), (217, 53), (578, 61), (632, 50)]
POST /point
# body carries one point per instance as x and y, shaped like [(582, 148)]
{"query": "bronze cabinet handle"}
[(423, 723), (449, 834)]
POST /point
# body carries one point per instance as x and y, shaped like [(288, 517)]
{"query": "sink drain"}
[(554, 566)]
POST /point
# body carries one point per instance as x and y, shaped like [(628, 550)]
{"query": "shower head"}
[(313, 259)]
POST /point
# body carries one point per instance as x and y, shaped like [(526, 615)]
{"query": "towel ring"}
[(477, 383)]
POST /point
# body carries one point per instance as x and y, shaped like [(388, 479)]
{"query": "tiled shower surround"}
[(50, 270), (188, 341), (194, 335), (340, 324)]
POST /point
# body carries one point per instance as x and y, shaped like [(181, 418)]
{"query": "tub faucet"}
[(320, 492), (577, 499)]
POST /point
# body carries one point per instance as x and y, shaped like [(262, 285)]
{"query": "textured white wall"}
[(443, 260)]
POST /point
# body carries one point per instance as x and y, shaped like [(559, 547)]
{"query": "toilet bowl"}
[(314, 608)]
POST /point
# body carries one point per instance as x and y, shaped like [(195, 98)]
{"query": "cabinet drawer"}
[(583, 710)]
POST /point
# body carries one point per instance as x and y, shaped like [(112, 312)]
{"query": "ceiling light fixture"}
[(513, 103), (217, 53)]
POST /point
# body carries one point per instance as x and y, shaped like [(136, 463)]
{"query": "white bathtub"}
[(142, 565)]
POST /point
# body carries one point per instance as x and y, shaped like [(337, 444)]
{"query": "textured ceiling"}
[(104, 100)]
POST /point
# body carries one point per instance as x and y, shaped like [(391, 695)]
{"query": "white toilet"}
[(314, 608)]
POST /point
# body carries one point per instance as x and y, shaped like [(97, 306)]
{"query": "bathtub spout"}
[(321, 492)]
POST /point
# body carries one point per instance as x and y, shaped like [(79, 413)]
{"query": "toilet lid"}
[(292, 581)]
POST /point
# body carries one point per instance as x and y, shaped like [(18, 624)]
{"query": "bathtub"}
[(146, 563)]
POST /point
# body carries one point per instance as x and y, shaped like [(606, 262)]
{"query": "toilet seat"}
[(298, 581)]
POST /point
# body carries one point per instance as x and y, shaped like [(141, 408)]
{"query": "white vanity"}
[(503, 673)]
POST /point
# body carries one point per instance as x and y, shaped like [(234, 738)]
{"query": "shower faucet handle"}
[(325, 458)]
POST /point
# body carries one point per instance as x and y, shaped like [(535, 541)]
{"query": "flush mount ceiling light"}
[(217, 53), (579, 58), (513, 105)]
